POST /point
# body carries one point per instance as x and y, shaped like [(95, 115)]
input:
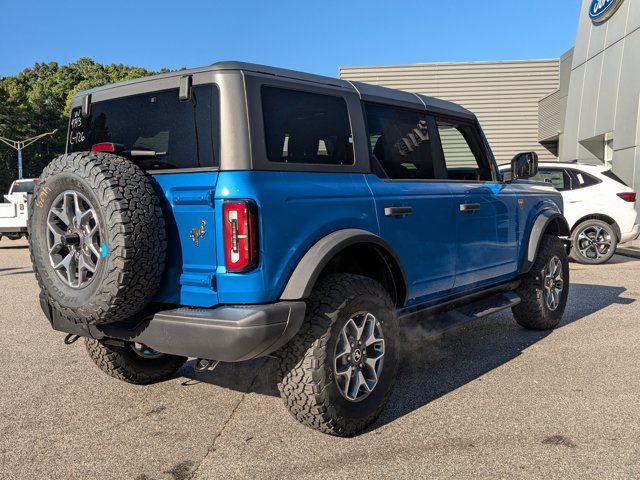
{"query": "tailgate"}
[(7, 210), (189, 214)]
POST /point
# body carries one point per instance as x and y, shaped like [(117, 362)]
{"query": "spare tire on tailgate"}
[(97, 237)]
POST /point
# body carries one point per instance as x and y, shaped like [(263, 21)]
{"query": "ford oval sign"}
[(602, 10)]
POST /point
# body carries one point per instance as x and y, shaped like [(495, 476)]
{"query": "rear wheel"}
[(338, 372), (594, 242), (133, 362)]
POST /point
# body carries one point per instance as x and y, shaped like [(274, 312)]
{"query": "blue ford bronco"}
[(237, 211)]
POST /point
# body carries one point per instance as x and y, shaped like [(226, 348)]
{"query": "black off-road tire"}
[(123, 363), (306, 372), (578, 257), (533, 313), (132, 232)]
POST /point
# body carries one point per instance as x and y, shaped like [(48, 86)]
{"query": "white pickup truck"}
[(14, 211)]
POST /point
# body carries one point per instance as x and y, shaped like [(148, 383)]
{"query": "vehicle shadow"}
[(11, 271), (432, 365), (6, 245)]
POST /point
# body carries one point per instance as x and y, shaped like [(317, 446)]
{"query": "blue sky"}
[(317, 36)]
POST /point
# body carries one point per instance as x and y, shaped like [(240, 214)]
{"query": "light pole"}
[(20, 145)]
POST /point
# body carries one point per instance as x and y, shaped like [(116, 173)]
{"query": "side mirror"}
[(524, 165)]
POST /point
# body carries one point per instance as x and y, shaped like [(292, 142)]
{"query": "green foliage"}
[(38, 100)]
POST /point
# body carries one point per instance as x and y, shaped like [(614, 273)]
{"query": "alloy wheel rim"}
[(594, 242), (74, 239), (553, 283), (359, 356)]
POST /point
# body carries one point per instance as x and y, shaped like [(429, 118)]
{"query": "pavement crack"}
[(221, 431)]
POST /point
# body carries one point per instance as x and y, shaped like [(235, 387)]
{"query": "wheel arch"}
[(603, 218), (548, 222), (349, 251)]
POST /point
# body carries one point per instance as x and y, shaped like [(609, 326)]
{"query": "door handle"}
[(469, 207), (398, 211)]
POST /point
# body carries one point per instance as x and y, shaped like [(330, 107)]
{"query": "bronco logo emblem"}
[(197, 233)]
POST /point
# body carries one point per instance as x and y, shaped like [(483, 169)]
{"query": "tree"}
[(38, 100)]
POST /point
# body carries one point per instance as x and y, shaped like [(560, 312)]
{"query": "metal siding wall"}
[(504, 95), (549, 123)]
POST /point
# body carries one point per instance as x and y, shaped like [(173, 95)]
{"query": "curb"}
[(632, 252)]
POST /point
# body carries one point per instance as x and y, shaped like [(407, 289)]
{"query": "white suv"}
[(599, 207)]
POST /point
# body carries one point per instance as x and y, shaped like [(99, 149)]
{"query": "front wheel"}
[(544, 290), (338, 372)]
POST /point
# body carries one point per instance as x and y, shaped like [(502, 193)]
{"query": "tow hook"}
[(71, 339), (204, 365)]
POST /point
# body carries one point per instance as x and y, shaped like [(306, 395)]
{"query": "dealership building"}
[(584, 106)]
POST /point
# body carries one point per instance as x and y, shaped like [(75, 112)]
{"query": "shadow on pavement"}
[(431, 366), (8, 246), (11, 271)]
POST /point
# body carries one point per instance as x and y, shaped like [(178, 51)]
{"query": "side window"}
[(399, 142), (462, 154), (306, 128), (582, 180), (558, 178), (176, 134)]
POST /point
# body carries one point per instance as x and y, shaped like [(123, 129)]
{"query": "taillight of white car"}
[(628, 196)]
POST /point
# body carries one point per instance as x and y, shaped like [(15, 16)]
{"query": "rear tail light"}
[(240, 235), (107, 147), (22, 207), (628, 196)]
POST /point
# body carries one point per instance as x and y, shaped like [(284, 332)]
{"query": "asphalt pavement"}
[(486, 400)]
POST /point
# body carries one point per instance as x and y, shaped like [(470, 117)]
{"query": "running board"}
[(441, 322)]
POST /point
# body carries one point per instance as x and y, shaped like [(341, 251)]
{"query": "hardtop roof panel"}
[(368, 92)]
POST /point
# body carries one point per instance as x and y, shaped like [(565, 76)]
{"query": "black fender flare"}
[(542, 222), (312, 264)]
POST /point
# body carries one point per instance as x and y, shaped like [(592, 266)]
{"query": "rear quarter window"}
[(306, 128), (582, 180), (183, 134)]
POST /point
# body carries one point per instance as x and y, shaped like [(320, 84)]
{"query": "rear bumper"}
[(228, 333), (629, 236), (4, 230)]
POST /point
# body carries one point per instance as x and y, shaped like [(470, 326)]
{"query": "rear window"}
[(306, 128), (613, 176), (180, 134), (23, 187)]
